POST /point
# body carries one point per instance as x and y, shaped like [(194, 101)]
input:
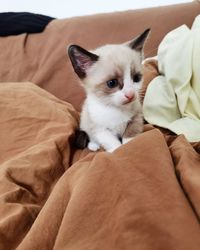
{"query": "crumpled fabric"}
[(172, 99)]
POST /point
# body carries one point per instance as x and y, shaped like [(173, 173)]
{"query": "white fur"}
[(105, 118), (93, 146), (126, 140), (104, 124)]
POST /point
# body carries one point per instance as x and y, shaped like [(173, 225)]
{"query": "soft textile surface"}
[(130, 199), (35, 133), (143, 196), (172, 99), (15, 23), (42, 58)]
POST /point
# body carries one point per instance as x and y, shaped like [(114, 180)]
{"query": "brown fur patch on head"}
[(115, 62), (102, 88)]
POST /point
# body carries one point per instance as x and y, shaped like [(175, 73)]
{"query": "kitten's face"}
[(116, 76), (112, 73)]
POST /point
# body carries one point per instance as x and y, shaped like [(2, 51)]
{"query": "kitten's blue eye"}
[(112, 83), (137, 77)]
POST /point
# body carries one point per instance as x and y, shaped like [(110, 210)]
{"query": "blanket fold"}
[(145, 195), (172, 99)]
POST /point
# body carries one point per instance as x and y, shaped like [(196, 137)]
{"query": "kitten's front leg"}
[(93, 146), (134, 127), (107, 140), (126, 139)]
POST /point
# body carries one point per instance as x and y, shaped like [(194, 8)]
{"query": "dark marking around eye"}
[(137, 77), (112, 83)]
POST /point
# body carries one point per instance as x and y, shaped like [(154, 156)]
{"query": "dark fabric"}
[(15, 23)]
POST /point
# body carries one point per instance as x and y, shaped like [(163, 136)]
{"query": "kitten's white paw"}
[(110, 150), (126, 140), (93, 146)]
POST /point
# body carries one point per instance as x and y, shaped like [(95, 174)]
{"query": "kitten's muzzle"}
[(129, 98)]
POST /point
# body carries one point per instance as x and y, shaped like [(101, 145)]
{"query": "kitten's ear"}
[(81, 59), (138, 42)]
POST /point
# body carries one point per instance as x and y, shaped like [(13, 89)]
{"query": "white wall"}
[(68, 8)]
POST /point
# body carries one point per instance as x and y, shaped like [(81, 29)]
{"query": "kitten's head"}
[(112, 73)]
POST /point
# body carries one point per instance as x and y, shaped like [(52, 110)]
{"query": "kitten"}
[(111, 75)]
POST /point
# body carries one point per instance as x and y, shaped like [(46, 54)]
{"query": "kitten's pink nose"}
[(130, 96)]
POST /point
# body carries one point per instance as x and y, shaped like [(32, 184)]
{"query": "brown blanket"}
[(145, 195)]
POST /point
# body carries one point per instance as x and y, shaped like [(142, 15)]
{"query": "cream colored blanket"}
[(172, 99)]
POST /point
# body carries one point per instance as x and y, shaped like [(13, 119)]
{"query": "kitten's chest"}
[(109, 117)]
